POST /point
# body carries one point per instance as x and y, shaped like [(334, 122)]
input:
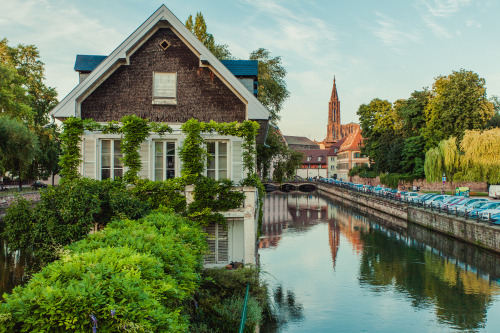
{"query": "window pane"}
[(170, 162), (117, 161), (222, 174), (211, 147), (158, 162), (211, 174), (222, 163), (171, 148), (158, 174), (105, 173), (106, 146), (117, 147), (118, 173), (106, 161), (170, 174), (158, 148), (223, 148), (211, 164)]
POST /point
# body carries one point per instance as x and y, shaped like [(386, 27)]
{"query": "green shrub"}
[(168, 193), (62, 296), (66, 214), (178, 243), (229, 311)]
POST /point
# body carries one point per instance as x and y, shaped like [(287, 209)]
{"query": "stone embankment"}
[(6, 200), (474, 232)]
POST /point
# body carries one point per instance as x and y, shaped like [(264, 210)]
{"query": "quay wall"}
[(7, 200), (470, 231)]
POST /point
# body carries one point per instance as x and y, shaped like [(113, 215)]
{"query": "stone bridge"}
[(290, 186)]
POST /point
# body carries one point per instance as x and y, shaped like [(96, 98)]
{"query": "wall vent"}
[(164, 44)]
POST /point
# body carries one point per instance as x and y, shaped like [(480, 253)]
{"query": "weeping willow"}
[(481, 155), (433, 166), (450, 156)]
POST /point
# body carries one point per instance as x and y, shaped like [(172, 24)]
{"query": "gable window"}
[(164, 162), (111, 164), (217, 164), (164, 88)]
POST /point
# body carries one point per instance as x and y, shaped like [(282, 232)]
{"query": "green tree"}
[(14, 101), (494, 122), (481, 156), (272, 91), (18, 147), (458, 104), (199, 29)]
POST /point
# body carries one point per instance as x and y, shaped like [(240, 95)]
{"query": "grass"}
[(15, 190)]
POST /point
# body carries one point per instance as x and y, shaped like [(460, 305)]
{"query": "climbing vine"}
[(133, 129)]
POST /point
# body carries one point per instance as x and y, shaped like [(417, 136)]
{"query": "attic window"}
[(164, 44), (164, 88)]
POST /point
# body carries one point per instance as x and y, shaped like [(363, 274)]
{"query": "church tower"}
[(333, 130)]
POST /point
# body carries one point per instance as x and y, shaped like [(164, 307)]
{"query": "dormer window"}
[(164, 88), (308, 158), (320, 158)]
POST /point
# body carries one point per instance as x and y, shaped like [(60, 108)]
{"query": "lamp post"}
[(444, 181)]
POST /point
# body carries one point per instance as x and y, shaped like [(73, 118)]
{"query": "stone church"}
[(334, 130)]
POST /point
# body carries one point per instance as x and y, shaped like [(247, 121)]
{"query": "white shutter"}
[(218, 246), (237, 161), (89, 157), (165, 85), (144, 153)]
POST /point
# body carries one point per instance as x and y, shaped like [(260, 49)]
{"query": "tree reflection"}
[(460, 297), (285, 309)]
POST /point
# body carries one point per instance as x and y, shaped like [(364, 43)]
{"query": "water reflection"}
[(12, 268), (396, 276)]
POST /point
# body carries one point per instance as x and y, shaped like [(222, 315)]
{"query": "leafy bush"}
[(392, 179), (134, 276), (166, 193), (64, 295), (66, 214)]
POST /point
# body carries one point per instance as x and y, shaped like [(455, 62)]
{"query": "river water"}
[(330, 269)]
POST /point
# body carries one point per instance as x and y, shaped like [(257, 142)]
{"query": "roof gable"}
[(70, 105)]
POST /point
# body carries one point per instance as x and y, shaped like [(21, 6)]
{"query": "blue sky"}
[(385, 49)]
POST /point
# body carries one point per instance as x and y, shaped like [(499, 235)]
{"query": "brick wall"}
[(128, 90)]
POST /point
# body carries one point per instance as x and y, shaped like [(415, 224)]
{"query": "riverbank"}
[(476, 233)]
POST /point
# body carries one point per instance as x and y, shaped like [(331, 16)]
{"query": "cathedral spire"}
[(334, 90)]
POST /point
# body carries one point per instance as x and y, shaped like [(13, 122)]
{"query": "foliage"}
[(393, 179), (286, 165), (272, 90), (199, 29), (71, 156), (211, 197), (18, 147), (481, 155), (458, 104), (166, 194), (66, 214), (494, 122), (223, 290), (363, 171), (46, 161), (433, 165)]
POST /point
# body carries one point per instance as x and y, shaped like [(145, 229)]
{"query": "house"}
[(300, 142), (332, 158), (349, 155), (314, 163), (162, 72)]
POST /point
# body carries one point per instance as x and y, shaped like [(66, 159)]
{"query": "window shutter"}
[(89, 157), (237, 161), (165, 85), (144, 153), (218, 244)]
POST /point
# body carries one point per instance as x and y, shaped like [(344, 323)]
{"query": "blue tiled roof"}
[(242, 67), (87, 63)]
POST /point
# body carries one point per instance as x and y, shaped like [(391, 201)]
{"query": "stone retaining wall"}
[(5, 201), (470, 231)]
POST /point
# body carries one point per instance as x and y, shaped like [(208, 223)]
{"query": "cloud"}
[(57, 29), (390, 34), (473, 23), (437, 29), (444, 8)]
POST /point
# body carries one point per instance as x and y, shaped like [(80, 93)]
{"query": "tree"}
[(272, 91), (199, 29), (458, 104), (443, 160), (481, 156), (18, 147), (494, 122)]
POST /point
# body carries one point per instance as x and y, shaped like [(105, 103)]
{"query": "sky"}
[(376, 49)]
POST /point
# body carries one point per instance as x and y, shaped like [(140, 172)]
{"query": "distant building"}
[(314, 163), (332, 158), (334, 130), (349, 155), (300, 142)]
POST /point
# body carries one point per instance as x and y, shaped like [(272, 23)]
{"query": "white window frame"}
[(164, 98), (215, 158), (164, 159), (111, 158)]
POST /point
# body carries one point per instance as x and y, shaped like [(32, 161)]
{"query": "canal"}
[(330, 268)]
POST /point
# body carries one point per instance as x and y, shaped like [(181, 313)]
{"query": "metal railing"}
[(244, 311), (395, 198)]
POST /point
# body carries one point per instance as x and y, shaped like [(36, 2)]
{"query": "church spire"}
[(334, 90)]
